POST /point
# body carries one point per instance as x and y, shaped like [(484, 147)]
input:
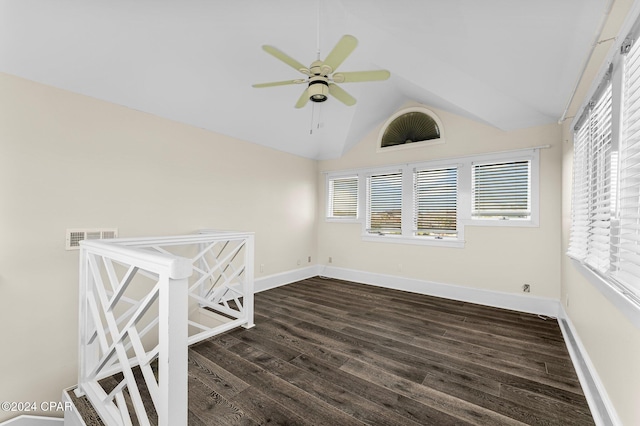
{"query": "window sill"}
[(524, 223), (421, 241), (342, 219), (626, 305)]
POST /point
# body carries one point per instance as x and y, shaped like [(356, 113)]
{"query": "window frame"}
[(418, 144), (368, 229), (443, 198), (534, 182), (408, 196), (329, 217)]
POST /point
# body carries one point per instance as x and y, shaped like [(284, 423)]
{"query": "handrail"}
[(141, 304), (176, 267)]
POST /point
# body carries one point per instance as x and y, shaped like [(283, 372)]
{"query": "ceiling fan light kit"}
[(321, 80), (318, 90)]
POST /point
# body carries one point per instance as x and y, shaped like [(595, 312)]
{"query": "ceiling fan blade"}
[(358, 76), (340, 94), (279, 54), (304, 98), (280, 83), (340, 52)]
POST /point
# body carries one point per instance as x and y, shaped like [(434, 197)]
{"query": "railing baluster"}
[(120, 329)]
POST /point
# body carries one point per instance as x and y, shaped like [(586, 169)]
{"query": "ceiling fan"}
[(322, 76)]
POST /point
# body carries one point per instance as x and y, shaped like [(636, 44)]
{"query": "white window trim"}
[(464, 166)]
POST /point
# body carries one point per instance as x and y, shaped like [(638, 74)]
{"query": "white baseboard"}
[(288, 277), (602, 410), (25, 420), (517, 302)]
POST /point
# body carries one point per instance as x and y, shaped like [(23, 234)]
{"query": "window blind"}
[(599, 183), (626, 253), (501, 190), (593, 186), (343, 197), (435, 202), (580, 196), (384, 204)]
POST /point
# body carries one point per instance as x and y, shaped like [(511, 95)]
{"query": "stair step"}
[(83, 413)]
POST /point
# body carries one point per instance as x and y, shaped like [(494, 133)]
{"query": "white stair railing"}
[(142, 302)]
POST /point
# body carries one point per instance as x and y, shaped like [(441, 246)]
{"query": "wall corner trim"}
[(602, 410)]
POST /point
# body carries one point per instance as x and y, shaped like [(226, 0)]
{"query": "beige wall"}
[(611, 341), (70, 161), (494, 258)]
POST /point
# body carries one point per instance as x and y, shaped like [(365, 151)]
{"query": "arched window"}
[(414, 126)]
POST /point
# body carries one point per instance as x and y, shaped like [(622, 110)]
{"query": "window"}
[(501, 190), (605, 214), (410, 127), (430, 203), (343, 198), (626, 255), (384, 204), (592, 182), (435, 202)]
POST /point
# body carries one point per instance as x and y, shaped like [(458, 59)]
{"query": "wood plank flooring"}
[(338, 353), (329, 352)]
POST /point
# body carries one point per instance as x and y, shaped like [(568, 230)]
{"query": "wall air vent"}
[(74, 236), (411, 127)]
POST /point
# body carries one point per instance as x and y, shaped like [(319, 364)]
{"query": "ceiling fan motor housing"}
[(318, 88)]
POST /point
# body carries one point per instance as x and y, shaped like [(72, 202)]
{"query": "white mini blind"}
[(599, 183), (580, 196), (626, 253), (593, 188), (384, 204), (343, 197), (501, 190), (435, 202)]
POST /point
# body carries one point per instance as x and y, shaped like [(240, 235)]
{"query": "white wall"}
[(69, 161), (611, 342), (494, 258)]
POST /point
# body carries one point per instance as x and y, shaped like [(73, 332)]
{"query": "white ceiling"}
[(507, 63)]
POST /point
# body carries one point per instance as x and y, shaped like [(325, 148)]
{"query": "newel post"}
[(249, 277), (173, 346)]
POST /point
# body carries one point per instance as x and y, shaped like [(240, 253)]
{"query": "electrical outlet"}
[(399, 267), (567, 301), (526, 288), (299, 262), (330, 259), (309, 259), (262, 267)]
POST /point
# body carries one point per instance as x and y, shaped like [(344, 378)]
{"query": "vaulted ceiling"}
[(507, 63)]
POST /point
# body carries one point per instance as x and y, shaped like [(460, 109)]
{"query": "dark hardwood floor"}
[(329, 352), (337, 353)]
